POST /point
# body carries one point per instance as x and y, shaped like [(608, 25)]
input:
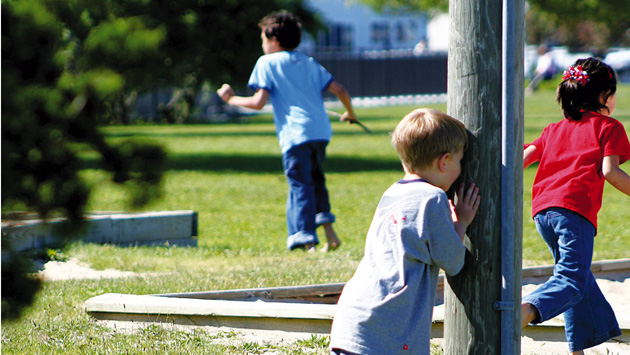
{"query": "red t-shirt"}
[(570, 170)]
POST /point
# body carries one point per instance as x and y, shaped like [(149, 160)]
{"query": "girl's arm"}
[(343, 96), (256, 101), (531, 154), (615, 175)]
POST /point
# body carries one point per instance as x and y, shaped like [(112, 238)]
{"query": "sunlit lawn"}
[(231, 174)]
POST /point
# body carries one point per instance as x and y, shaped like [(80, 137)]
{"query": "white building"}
[(437, 33), (355, 27)]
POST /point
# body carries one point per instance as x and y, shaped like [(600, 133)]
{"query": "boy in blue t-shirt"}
[(294, 82)]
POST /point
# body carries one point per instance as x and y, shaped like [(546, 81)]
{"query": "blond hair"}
[(424, 135)]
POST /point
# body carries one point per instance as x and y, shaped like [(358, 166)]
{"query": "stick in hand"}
[(336, 114)]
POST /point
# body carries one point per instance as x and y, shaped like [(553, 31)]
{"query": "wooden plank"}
[(154, 228), (295, 317), (545, 270), (148, 304), (284, 316), (610, 265), (145, 228), (305, 326), (613, 269), (329, 293), (283, 308), (323, 293), (29, 234)]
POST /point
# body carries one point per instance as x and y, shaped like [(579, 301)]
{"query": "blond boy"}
[(387, 306)]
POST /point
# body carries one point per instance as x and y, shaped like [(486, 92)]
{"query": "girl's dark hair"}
[(574, 96), (284, 26)]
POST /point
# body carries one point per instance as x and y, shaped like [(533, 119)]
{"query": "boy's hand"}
[(347, 118), (225, 92), (467, 204)]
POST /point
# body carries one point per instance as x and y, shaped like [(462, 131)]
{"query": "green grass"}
[(231, 174)]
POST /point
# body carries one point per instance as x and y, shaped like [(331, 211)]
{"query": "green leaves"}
[(140, 165), (69, 65), (408, 5), (101, 82), (123, 42), (55, 92), (588, 24)]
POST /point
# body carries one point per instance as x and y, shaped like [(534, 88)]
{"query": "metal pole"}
[(506, 305)]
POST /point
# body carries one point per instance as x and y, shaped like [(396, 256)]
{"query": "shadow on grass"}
[(191, 134), (246, 133), (271, 163), (261, 163)]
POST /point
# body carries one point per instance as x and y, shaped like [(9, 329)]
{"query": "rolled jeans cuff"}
[(324, 217), (301, 238)]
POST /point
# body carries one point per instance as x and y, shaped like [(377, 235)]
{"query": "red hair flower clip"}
[(576, 73)]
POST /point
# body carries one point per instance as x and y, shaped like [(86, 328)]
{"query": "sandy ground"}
[(616, 288), (73, 269)]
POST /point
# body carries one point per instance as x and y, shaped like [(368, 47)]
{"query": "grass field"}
[(231, 174)]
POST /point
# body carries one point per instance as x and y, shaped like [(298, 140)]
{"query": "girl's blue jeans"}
[(572, 290), (308, 205)]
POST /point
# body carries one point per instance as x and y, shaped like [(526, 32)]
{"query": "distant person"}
[(545, 69), (387, 306), (421, 47), (576, 156), (295, 83)]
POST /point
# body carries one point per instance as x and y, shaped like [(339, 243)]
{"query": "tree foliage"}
[(429, 6), (166, 44), (69, 66), (51, 103), (580, 24)]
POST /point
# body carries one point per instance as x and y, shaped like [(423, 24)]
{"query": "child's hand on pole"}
[(467, 204), (466, 208)]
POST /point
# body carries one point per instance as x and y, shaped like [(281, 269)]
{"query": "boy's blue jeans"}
[(572, 289), (308, 205)]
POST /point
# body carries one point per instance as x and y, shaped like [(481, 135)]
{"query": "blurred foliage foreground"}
[(69, 66)]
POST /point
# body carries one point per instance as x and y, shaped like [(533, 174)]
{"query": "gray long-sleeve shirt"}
[(387, 306)]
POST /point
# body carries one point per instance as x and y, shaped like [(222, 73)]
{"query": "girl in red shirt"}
[(576, 156)]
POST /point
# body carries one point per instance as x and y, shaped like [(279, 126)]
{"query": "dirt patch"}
[(74, 269)]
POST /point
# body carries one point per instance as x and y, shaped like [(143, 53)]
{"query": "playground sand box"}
[(615, 287)]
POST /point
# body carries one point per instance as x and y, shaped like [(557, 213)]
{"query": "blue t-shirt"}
[(295, 83)]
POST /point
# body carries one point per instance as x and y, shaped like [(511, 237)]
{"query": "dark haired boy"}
[(294, 82)]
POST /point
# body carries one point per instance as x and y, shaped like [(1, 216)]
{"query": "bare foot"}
[(333, 242), (310, 247)]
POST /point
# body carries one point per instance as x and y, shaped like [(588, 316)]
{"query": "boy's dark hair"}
[(574, 96), (284, 26)]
